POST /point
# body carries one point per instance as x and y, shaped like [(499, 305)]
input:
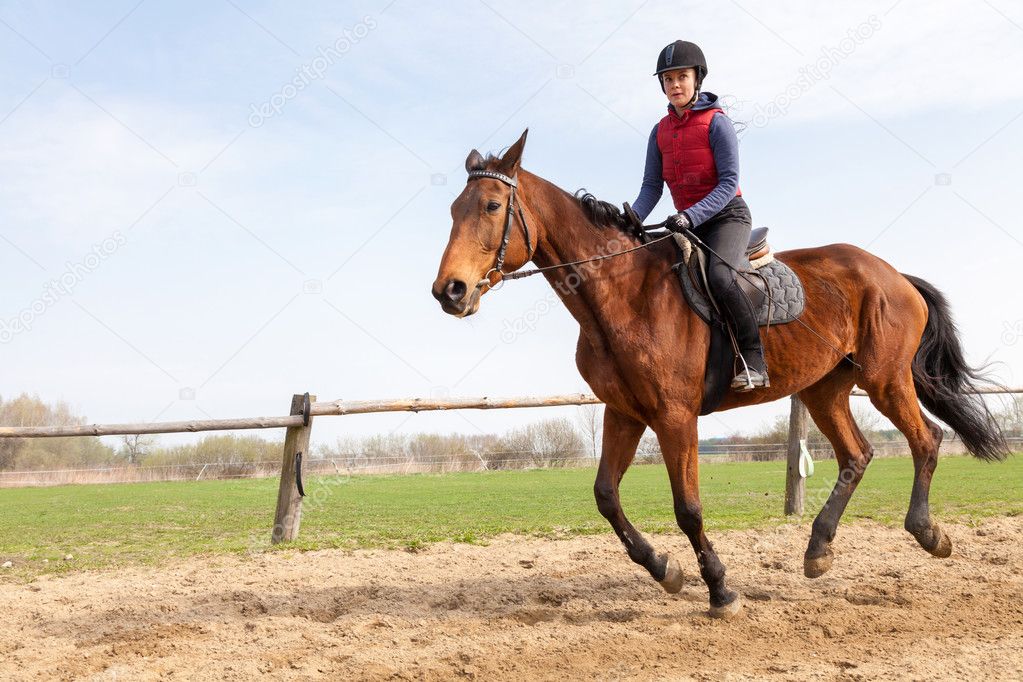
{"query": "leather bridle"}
[(513, 207)]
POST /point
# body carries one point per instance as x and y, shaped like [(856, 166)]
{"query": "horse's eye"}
[(492, 206)]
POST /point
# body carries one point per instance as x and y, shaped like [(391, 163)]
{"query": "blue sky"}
[(217, 260)]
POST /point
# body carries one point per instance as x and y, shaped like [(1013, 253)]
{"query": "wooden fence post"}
[(289, 501), (795, 485)]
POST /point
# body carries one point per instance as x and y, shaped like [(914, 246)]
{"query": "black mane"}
[(604, 214)]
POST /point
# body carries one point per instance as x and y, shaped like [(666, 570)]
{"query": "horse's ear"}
[(510, 161), (474, 161)]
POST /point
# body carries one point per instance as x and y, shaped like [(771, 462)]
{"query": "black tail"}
[(945, 383)]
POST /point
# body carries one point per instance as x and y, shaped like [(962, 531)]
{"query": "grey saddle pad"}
[(785, 303)]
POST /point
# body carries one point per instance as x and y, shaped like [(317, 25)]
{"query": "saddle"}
[(772, 287)]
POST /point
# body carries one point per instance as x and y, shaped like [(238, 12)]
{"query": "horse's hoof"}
[(943, 548), (673, 578), (817, 566), (727, 611), (933, 539)]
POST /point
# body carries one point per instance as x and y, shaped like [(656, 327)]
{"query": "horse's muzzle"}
[(453, 299)]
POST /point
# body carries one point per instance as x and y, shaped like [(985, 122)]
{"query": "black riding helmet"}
[(682, 54)]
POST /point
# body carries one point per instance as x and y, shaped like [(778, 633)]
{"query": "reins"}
[(514, 207), (535, 271), (513, 183)]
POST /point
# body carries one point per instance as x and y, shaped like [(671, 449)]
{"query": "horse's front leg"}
[(621, 436), (677, 436)]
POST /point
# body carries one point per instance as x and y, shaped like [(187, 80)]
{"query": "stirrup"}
[(750, 379)]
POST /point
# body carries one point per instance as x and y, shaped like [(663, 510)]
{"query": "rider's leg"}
[(753, 372), (727, 234)]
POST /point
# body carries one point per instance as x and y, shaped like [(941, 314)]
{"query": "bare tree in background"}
[(1011, 418), (869, 420), (514, 450), (10, 448), (47, 453), (135, 447), (550, 442), (591, 422), (649, 450), (347, 450), (556, 442)]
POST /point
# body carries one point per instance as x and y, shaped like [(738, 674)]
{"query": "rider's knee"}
[(720, 277)]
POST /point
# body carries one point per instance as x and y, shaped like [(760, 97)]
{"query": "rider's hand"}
[(678, 222), (631, 218)]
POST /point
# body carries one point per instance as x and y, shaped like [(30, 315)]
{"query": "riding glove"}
[(678, 222)]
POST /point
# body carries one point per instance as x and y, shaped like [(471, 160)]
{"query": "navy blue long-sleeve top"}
[(724, 144)]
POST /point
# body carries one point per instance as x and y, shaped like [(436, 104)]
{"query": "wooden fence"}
[(299, 424), (304, 409)]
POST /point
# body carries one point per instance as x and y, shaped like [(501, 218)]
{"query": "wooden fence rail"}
[(333, 408), (304, 407)]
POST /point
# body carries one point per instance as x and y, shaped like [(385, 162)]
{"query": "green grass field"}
[(112, 525)]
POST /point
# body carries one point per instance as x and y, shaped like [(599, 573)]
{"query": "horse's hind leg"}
[(895, 397), (621, 437), (828, 404)]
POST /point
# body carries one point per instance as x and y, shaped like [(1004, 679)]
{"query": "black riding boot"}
[(752, 368)]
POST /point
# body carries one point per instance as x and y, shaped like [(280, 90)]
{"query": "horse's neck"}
[(600, 294)]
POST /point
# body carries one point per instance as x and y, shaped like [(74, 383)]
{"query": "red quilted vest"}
[(687, 161)]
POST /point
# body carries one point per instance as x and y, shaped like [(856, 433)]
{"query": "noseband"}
[(513, 206)]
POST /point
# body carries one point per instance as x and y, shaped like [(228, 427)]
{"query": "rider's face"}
[(679, 85)]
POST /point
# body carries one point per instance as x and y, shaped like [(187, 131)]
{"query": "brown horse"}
[(643, 352)]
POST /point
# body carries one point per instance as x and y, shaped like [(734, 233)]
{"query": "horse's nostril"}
[(455, 290)]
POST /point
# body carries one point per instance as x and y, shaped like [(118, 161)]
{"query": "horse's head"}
[(488, 233)]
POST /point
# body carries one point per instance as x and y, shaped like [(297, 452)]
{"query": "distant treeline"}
[(546, 443)]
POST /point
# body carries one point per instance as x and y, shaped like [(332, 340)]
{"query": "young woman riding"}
[(695, 151)]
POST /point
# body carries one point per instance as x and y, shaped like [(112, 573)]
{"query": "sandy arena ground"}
[(536, 609)]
